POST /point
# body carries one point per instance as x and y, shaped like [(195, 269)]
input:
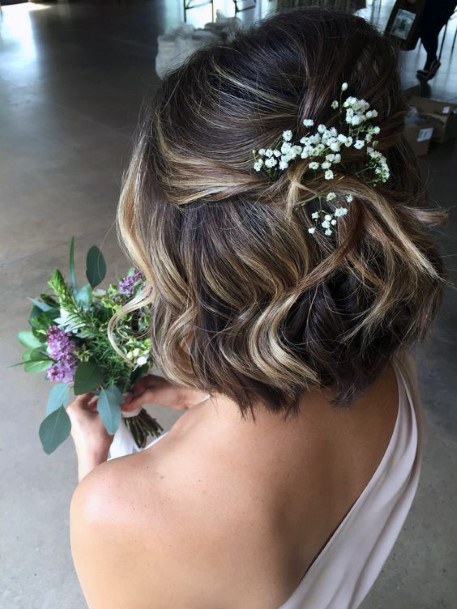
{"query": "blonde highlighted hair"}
[(244, 300)]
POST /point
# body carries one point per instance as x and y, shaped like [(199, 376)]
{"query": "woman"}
[(434, 17), (285, 285)]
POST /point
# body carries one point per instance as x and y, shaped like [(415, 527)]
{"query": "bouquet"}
[(68, 339)]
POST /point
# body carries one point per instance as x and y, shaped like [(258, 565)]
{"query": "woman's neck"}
[(219, 418)]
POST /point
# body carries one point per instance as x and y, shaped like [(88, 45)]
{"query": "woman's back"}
[(276, 212), (260, 504)]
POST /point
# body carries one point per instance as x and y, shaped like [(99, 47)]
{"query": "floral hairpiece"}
[(325, 146)]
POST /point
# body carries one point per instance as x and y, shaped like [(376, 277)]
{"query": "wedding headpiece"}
[(325, 147)]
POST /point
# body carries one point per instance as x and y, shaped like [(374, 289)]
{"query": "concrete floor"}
[(72, 80)]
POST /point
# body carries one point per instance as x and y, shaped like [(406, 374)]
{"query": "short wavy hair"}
[(244, 301)]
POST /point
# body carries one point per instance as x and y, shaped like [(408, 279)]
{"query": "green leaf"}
[(49, 300), (39, 355), (109, 410), (58, 396), (35, 312), (87, 378), (84, 296), (27, 353), (37, 366), (54, 430), (95, 266), (27, 339), (42, 320), (40, 304), (72, 265)]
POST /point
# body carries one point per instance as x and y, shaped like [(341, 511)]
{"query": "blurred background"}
[(73, 78)]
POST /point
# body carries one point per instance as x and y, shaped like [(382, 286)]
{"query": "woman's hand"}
[(92, 441), (153, 389)]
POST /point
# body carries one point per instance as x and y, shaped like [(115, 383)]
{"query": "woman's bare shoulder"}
[(133, 541)]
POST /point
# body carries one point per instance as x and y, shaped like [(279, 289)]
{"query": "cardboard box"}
[(419, 133), (443, 116)]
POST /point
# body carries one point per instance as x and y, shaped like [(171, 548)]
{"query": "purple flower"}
[(127, 284), (60, 349)]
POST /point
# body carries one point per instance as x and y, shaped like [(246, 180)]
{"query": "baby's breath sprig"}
[(324, 147), (325, 220)]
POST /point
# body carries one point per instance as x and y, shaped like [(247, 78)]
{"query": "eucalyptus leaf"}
[(58, 396), (40, 304), (27, 339), (87, 378), (95, 266), (72, 265), (116, 394), (84, 296), (54, 429), (109, 410)]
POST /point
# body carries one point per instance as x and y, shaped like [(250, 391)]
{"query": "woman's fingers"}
[(147, 382), (86, 401)]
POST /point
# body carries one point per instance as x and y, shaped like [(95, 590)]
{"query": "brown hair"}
[(244, 300)]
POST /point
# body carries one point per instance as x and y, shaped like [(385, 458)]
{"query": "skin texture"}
[(221, 513)]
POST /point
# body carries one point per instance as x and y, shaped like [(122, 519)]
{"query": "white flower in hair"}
[(271, 162), (324, 148)]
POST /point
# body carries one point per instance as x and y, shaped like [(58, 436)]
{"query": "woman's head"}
[(245, 301)]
